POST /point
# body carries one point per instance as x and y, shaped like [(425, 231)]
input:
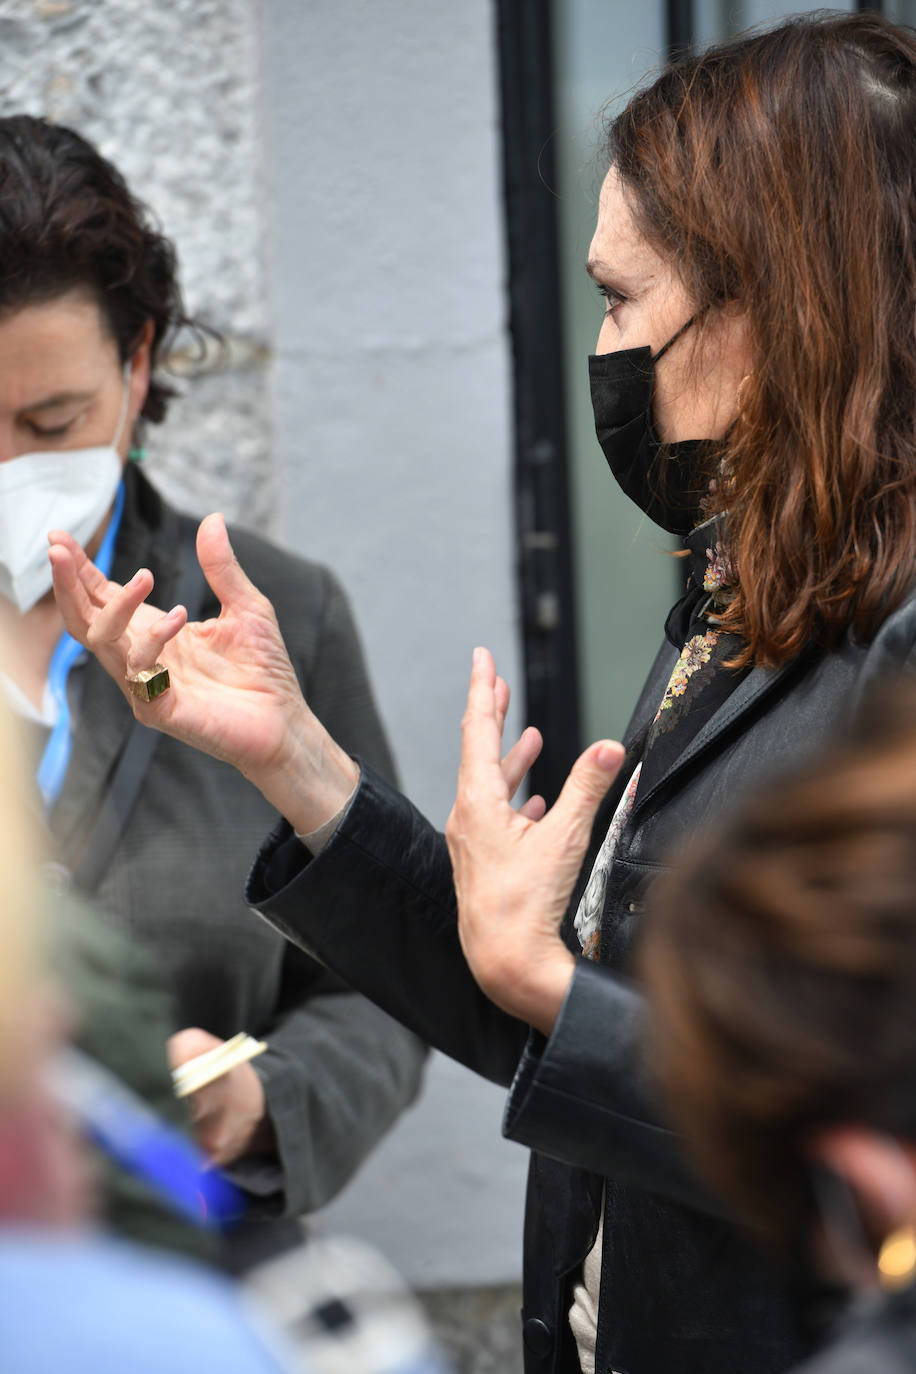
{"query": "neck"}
[(95, 543), (29, 642)]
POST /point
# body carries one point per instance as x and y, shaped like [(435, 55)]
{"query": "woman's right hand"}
[(233, 690)]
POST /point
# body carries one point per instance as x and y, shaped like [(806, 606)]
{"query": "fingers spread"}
[(73, 600), (94, 582), (480, 730), (590, 777), (479, 774), (219, 564), (520, 758), (147, 645), (534, 808), (501, 697), (113, 619)]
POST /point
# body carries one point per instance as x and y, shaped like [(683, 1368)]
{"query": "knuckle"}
[(573, 833), (591, 787)]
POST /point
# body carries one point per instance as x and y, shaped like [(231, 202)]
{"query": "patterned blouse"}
[(698, 685)]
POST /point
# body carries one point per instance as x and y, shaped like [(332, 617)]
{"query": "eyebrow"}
[(60, 398), (605, 275)]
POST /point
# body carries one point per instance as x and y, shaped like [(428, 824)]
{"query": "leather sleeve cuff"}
[(583, 1096)]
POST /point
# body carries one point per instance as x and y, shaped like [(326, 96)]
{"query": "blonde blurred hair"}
[(19, 908)]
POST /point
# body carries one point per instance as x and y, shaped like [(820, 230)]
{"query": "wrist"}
[(311, 779), (536, 991), (549, 991)]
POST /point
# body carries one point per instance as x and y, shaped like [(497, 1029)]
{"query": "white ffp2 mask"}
[(69, 489)]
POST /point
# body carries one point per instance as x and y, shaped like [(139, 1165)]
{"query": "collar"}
[(709, 566), (710, 575)]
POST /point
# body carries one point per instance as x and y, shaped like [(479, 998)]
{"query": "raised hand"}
[(514, 870), (233, 691)]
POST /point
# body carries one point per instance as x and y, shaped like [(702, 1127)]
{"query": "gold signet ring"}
[(149, 682)]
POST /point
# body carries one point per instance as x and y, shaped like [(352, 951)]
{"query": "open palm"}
[(234, 693)]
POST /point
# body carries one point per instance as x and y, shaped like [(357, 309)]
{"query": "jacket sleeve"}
[(378, 906), (585, 1097), (339, 1071), (337, 1074)]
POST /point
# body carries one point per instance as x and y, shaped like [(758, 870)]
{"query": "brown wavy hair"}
[(778, 172), (68, 220), (780, 961)]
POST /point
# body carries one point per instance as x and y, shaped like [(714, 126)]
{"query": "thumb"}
[(589, 779), (219, 564), (188, 1044)]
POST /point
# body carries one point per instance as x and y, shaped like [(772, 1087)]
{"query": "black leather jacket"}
[(681, 1291)]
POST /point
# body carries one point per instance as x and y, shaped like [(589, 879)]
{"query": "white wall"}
[(391, 413), (168, 89), (345, 153)]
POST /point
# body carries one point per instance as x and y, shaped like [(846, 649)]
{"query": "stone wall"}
[(170, 91)]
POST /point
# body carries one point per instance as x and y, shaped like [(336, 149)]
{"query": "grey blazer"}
[(338, 1070)]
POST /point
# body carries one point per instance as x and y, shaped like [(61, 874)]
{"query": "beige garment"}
[(583, 1314), (316, 840)]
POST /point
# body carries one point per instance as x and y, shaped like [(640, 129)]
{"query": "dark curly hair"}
[(68, 220)]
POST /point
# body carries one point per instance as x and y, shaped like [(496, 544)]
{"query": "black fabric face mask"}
[(667, 481)]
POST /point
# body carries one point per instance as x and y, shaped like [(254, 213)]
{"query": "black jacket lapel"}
[(759, 684)]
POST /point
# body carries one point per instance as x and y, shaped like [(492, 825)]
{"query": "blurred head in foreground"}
[(781, 963), (18, 907), (43, 1175)]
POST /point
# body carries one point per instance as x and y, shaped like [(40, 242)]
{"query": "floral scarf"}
[(698, 686)]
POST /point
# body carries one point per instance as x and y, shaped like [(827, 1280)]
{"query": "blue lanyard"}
[(53, 767)]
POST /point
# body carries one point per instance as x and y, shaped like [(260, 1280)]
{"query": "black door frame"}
[(541, 468), (543, 545)]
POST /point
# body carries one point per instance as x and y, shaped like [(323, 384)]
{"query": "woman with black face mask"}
[(754, 389)]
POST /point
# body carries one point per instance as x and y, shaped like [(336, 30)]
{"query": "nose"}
[(608, 338)]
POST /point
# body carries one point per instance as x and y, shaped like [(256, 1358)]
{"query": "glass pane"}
[(717, 19), (625, 580), (901, 11)]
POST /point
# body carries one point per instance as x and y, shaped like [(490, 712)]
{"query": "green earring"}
[(136, 455)]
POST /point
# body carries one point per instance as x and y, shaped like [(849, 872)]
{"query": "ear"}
[(140, 372), (880, 1169)]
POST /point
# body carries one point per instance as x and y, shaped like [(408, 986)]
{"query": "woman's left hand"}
[(229, 1114), (514, 870)]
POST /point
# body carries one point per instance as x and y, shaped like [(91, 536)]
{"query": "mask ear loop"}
[(674, 338), (125, 401)]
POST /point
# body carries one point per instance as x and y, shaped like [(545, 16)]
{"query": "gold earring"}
[(739, 393), (897, 1259)]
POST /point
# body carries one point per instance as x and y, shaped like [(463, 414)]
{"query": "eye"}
[(50, 431), (612, 298)]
